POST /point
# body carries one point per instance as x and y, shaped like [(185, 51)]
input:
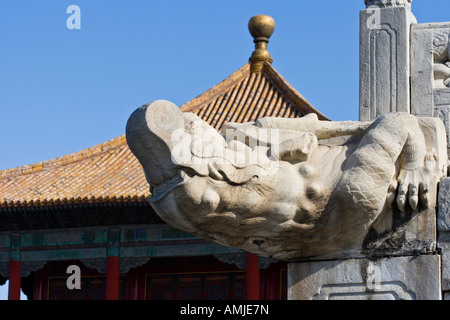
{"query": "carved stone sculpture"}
[(289, 188), (388, 3), (441, 66)]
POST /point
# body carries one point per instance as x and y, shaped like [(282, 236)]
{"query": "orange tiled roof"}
[(109, 172), (245, 97)]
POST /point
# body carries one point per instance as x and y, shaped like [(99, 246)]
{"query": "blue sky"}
[(65, 90)]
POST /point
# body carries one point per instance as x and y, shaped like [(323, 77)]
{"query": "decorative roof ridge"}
[(296, 97), (66, 159), (55, 203), (220, 88)]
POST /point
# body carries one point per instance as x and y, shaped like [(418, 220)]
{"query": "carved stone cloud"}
[(292, 189)]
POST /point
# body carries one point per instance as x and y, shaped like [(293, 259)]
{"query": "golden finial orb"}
[(261, 28)]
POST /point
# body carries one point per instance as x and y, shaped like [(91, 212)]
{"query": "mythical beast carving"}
[(288, 188)]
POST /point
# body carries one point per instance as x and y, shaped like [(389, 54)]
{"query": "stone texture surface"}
[(443, 211), (443, 226), (398, 278), (422, 79), (444, 245)]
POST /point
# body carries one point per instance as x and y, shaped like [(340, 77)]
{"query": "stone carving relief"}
[(441, 66), (394, 290), (290, 189), (430, 71), (388, 3)]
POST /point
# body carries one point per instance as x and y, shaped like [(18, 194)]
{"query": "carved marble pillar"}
[(385, 57)]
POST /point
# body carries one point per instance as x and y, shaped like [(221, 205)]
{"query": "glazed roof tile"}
[(109, 172)]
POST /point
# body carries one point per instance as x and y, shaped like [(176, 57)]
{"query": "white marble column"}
[(385, 27)]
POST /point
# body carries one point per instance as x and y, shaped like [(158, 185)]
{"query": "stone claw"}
[(392, 193), (413, 197), (447, 82), (414, 185), (401, 198), (423, 192)]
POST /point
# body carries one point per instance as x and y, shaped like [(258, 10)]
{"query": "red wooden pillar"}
[(14, 268), (252, 278), (113, 266), (14, 280), (40, 290), (112, 278), (131, 283)]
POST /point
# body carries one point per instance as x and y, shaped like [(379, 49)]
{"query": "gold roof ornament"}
[(261, 28)]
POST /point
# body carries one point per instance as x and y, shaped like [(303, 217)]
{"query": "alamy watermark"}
[(74, 20), (241, 148), (373, 281), (374, 20), (74, 280)]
